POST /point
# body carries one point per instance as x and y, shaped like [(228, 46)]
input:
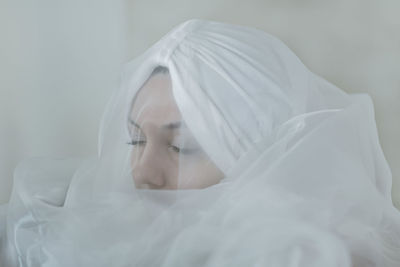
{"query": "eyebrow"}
[(169, 126), (172, 125)]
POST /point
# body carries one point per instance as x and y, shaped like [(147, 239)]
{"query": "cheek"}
[(200, 175), (134, 156)]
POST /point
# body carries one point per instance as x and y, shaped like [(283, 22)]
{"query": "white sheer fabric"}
[(260, 163)]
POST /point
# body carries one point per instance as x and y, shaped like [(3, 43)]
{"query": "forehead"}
[(155, 102)]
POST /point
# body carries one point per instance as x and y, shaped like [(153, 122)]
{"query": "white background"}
[(60, 62)]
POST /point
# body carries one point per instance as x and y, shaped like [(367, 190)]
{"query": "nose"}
[(148, 168)]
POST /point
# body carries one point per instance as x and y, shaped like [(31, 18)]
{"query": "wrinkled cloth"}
[(305, 179)]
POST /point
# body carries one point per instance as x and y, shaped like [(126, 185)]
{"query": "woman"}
[(220, 149)]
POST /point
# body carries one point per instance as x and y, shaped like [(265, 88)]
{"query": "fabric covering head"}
[(220, 148)]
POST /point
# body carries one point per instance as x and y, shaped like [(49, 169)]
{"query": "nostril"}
[(156, 182)]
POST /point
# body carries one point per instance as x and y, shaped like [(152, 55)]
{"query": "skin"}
[(165, 154)]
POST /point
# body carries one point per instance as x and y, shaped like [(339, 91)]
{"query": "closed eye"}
[(135, 143), (186, 151)]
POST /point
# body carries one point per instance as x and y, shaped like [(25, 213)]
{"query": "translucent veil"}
[(220, 148)]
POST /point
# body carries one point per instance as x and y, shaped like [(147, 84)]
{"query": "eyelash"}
[(175, 148), (135, 143)]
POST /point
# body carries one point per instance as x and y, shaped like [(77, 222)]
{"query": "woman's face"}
[(165, 155)]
